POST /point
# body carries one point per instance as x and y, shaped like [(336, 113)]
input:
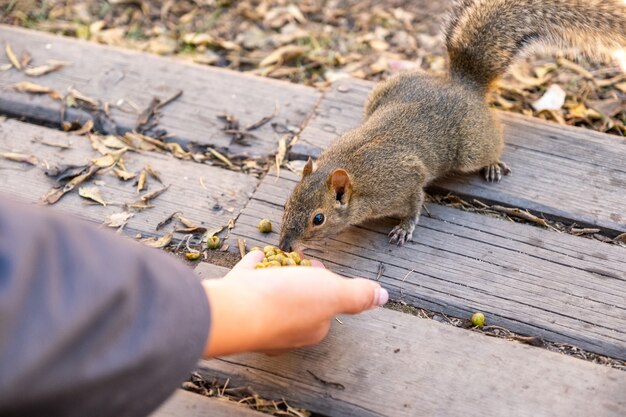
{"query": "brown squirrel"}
[(419, 127)]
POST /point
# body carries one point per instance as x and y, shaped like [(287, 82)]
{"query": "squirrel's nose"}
[(286, 244)]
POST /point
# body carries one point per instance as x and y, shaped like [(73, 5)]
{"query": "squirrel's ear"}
[(308, 168), (340, 184)]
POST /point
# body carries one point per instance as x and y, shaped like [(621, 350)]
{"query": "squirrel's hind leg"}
[(403, 232)]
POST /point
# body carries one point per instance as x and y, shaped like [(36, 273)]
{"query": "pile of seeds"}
[(274, 257)]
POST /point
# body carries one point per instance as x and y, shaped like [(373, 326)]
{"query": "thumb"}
[(357, 295)]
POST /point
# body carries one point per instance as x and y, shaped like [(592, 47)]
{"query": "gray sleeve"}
[(91, 324)]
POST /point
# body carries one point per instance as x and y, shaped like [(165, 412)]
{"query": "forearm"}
[(91, 324)]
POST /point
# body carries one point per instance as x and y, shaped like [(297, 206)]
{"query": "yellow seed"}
[(269, 248), (213, 242), (295, 256), (260, 265), (272, 264), (305, 262), (270, 253), (289, 262), (271, 258), (280, 257), (478, 319), (265, 226), (193, 256), (265, 260), (256, 248)]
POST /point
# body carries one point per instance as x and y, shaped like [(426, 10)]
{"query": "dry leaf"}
[(12, 57), (109, 159), (51, 66), (141, 181), (118, 219), (5, 67), (552, 99), (28, 87), (221, 157), (86, 128), (158, 243), (56, 193), (621, 87), (153, 194), (281, 55), (18, 157), (114, 143), (123, 175), (167, 220), (186, 222), (153, 173), (82, 97), (92, 193), (280, 154)]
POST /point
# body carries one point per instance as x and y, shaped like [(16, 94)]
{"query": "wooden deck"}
[(532, 280)]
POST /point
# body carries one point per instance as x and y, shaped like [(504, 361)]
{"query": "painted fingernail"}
[(381, 296)]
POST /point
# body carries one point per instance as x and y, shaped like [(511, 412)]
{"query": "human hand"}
[(273, 309)]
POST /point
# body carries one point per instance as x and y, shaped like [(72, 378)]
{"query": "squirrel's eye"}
[(318, 219)]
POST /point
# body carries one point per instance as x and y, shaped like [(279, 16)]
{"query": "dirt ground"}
[(316, 42)]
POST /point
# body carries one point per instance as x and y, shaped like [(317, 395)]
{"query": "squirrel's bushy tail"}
[(484, 36)]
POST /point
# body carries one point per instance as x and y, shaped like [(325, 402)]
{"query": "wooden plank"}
[(533, 281), (562, 172), (112, 74), (206, 270), (187, 404), (386, 363), (212, 203)]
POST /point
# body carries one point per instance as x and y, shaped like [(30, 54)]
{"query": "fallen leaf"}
[(86, 128), (123, 175), (221, 157), (168, 220), (621, 87), (5, 67), (158, 243), (118, 219), (51, 66), (28, 87), (281, 55), (141, 181), (114, 142), (153, 194), (185, 221), (19, 157), (77, 95), (109, 159), (153, 173), (552, 99), (12, 57), (56, 193), (280, 154), (92, 193)]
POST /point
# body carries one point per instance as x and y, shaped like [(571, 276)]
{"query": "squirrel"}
[(420, 127)]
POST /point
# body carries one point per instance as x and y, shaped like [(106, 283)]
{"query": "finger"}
[(317, 264), (358, 295), (249, 261)]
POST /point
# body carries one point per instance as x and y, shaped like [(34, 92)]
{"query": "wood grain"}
[(210, 203), (112, 74), (187, 404), (385, 363), (206, 270), (562, 172), (537, 282)]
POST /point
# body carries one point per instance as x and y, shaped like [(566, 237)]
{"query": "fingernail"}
[(381, 296)]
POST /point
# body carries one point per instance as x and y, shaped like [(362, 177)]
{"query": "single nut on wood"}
[(478, 319), (213, 242), (193, 256), (265, 226)]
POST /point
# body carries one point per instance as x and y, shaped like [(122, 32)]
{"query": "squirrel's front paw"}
[(494, 172), (402, 233)]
